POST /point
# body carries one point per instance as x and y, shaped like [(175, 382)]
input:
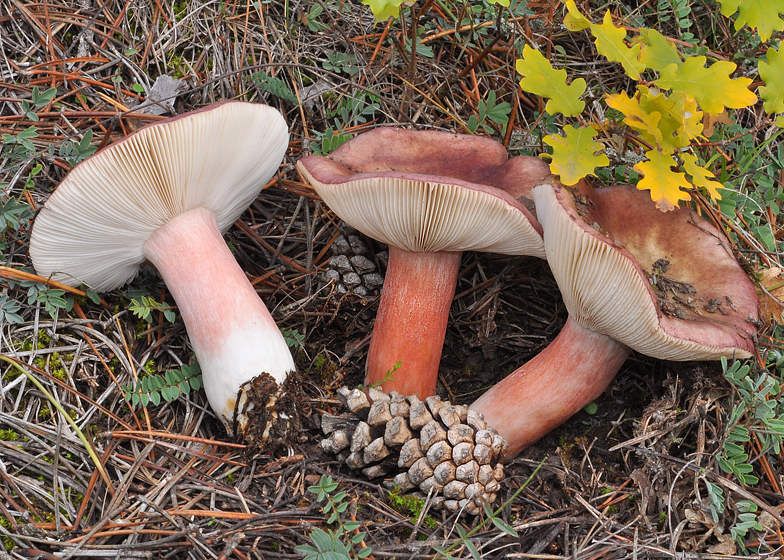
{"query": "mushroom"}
[(165, 194), (632, 277), (428, 195)]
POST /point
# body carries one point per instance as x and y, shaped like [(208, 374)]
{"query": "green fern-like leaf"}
[(169, 386), (275, 86)]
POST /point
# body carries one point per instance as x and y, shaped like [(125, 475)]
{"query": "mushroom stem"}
[(558, 382), (411, 321), (231, 331)]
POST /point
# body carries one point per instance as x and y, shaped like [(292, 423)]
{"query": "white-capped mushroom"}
[(165, 194)]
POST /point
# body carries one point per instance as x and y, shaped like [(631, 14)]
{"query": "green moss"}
[(180, 10), (410, 505), (176, 64), (8, 435), (7, 542), (150, 367), (44, 412), (324, 367)]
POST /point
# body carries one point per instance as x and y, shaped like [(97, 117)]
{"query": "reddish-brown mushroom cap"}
[(429, 195), (430, 191), (664, 284)]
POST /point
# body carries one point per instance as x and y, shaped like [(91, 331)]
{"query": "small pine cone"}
[(379, 413), (352, 267), (410, 453), (397, 432), (443, 450), (398, 406)]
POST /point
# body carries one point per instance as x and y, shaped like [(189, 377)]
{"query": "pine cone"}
[(352, 267), (422, 445)]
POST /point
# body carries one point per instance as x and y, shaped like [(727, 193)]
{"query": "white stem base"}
[(231, 331)]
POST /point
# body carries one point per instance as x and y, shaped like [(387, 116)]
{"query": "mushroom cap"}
[(431, 191), (93, 226), (664, 284)]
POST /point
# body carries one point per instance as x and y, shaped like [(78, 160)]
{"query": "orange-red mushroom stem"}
[(411, 321), (548, 389)]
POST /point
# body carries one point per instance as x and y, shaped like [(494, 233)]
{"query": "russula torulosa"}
[(165, 194), (429, 195), (632, 277)]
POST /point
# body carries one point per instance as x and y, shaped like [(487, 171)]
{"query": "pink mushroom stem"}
[(412, 319), (557, 383), (230, 329)]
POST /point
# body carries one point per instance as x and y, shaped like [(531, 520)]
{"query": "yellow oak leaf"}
[(762, 14), (664, 183), (575, 156), (772, 73), (540, 78), (700, 176), (385, 9), (680, 117), (645, 122), (729, 7), (712, 87), (609, 43), (656, 52), (574, 20)]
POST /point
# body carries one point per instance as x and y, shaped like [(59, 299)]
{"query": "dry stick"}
[(14, 274), (765, 464), (87, 114), (512, 117), (91, 485), (376, 50), (21, 366), (133, 368), (72, 77), (184, 449), (153, 26), (477, 59), (15, 489), (50, 42), (66, 387), (257, 238), (245, 35), (80, 313), (38, 28), (117, 22)]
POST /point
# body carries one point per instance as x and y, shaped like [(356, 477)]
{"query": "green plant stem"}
[(495, 513), (61, 410), (759, 150)]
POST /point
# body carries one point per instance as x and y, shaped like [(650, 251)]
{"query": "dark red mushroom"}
[(664, 284), (430, 196)]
